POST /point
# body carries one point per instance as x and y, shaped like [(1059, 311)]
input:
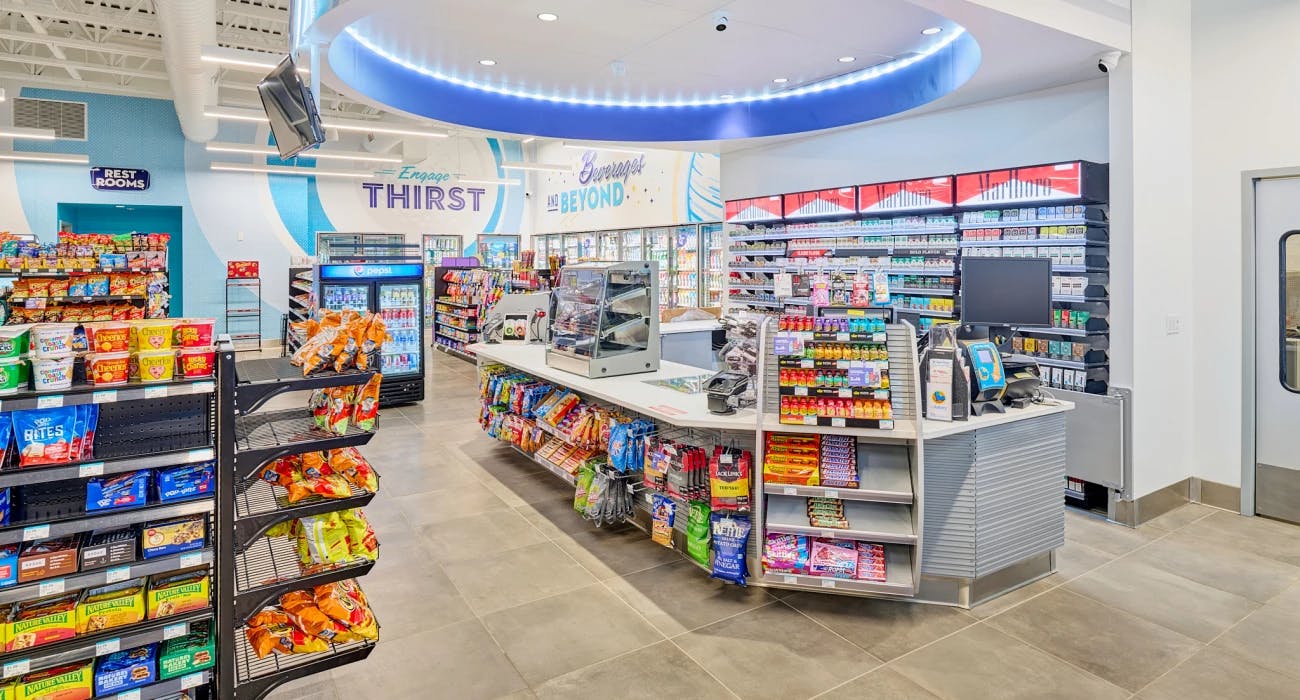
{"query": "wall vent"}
[(67, 119)]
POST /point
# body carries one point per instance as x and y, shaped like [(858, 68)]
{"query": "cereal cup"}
[(52, 340), (14, 341), (108, 337), (154, 365), (194, 332), (52, 373), (195, 363), (13, 375), (152, 334), (108, 368)]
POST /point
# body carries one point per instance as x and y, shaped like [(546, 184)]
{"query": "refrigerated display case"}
[(394, 291), (714, 272), (437, 247), (633, 248), (498, 251), (685, 261), (658, 247), (609, 249)]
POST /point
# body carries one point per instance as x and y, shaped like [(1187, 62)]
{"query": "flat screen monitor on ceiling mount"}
[(289, 105), (1006, 291)]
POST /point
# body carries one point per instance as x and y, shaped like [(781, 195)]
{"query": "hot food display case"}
[(605, 319)]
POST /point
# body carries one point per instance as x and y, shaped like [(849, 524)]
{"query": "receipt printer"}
[(724, 390)]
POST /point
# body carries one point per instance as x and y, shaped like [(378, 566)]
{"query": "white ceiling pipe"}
[(186, 26)]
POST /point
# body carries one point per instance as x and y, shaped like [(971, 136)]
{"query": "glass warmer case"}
[(605, 319)]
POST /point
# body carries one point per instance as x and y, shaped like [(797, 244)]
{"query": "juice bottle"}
[(887, 410)]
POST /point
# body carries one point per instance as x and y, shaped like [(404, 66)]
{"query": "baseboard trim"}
[(1212, 493), (1154, 504)]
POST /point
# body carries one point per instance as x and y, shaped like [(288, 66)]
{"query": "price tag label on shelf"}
[(49, 401), (17, 668), (789, 579), (832, 494), (180, 629), (191, 559), (810, 420), (108, 646), (52, 587), (105, 396), (843, 364), (828, 583), (837, 423), (790, 491), (842, 337), (133, 694), (801, 391), (203, 387), (193, 680), (878, 338), (806, 364), (882, 394), (35, 532), (34, 303), (91, 469), (200, 455), (117, 574), (845, 393), (829, 534), (155, 392)]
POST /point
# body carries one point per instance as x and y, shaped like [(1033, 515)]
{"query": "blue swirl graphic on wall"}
[(703, 189)]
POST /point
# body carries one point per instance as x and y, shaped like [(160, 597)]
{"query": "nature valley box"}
[(72, 682), (32, 623), (179, 593), (110, 606), (183, 655)]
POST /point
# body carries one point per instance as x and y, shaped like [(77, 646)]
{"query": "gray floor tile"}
[(1177, 603), (1288, 599), (555, 516), (1269, 637), (460, 660), (315, 687), (533, 488), (881, 684), (1108, 537), (1019, 596), (1214, 673), (1179, 517), (608, 553), (553, 636), (981, 663), (886, 629), (515, 577), (1075, 559), (479, 535), (680, 597), (775, 652), (1226, 568), (653, 673), (431, 507), (1127, 651), (1267, 538), (413, 598)]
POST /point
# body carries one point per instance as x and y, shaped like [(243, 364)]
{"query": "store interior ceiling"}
[(626, 47)]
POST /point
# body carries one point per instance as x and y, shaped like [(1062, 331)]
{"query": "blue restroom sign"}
[(119, 179)]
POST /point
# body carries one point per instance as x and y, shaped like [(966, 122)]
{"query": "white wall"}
[(1065, 123), (1245, 116)]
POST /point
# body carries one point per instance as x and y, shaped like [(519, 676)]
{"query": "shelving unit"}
[(243, 311), (302, 299), (254, 570)]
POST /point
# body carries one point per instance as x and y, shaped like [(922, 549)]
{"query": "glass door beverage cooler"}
[(715, 267), (395, 292), (609, 246), (686, 266), (436, 247), (658, 244), (633, 250)]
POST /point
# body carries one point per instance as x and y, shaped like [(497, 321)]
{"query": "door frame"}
[(1249, 372)]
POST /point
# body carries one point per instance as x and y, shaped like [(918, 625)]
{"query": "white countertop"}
[(691, 410), (660, 403), (688, 327)]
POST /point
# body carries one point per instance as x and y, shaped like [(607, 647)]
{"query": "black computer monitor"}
[(1006, 291), (290, 108)]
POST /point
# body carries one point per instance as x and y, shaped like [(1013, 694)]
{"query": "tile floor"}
[(489, 586)]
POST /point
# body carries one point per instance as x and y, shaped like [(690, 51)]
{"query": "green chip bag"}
[(585, 475), (697, 532)]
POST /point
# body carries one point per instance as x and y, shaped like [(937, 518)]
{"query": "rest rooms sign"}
[(119, 179)]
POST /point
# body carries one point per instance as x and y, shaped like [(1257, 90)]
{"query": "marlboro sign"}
[(1039, 183), (807, 205), (741, 211), (906, 195)]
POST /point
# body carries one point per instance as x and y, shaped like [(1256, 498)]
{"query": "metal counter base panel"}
[(970, 592)]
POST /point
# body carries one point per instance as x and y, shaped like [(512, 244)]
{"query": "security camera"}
[(1107, 61), (721, 21)]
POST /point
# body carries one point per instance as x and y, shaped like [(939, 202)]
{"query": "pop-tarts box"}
[(185, 482), (118, 491), (8, 565)]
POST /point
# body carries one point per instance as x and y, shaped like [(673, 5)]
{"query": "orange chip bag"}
[(331, 486), (314, 465), (352, 466), (367, 404), (283, 639), (302, 611), (340, 409), (268, 616), (344, 602)]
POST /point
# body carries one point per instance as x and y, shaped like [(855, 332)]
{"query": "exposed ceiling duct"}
[(187, 26)]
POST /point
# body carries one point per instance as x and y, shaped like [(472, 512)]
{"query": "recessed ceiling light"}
[(931, 31), (780, 81), (847, 59), (548, 16), (487, 62), (727, 96)]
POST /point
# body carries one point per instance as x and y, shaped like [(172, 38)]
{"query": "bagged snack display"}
[(785, 553), (367, 406), (349, 464), (283, 638), (361, 537), (730, 538), (344, 602), (319, 403), (833, 558), (303, 613), (729, 479), (697, 532), (323, 539), (340, 409), (662, 514), (581, 487), (45, 436)]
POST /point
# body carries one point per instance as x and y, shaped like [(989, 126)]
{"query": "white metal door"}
[(1277, 348)]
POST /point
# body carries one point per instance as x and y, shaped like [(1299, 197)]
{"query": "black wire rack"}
[(259, 506), (262, 437), (270, 567), (262, 675)]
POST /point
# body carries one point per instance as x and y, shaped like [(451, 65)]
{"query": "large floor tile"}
[(461, 661), (1269, 637), (1288, 599), (1267, 538), (479, 535), (1226, 568), (1074, 559), (1214, 673), (608, 553), (1179, 517), (775, 652), (515, 577), (555, 516), (980, 663), (1019, 596), (680, 597), (1108, 537), (315, 687), (599, 625), (1127, 651), (656, 672), (881, 684), (533, 488), (1177, 603), (432, 507), (415, 598), (885, 628)]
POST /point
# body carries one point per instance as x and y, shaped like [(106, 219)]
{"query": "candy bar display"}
[(833, 371), (838, 466), (792, 459), (815, 556)]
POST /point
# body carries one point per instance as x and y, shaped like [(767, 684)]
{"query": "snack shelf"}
[(302, 287), (815, 423), (88, 468), (80, 299), (921, 271), (453, 352), (1031, 243), (1066, 364), (301, 302), (552, 468), (259, 380), (898, 578), (925, 312), (1077, 299), (65, 272), (451, 302), (462, 329), (758, 253), (259, 506), (81, 394), (162, 689), (263, 437), (270, 568), (301, 315), (104, 520), (879, 479), (857, 392), (902, 430), (923, 291), (889, 523), (742, 299), (257, 677), (100, 577), (89, 646)]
